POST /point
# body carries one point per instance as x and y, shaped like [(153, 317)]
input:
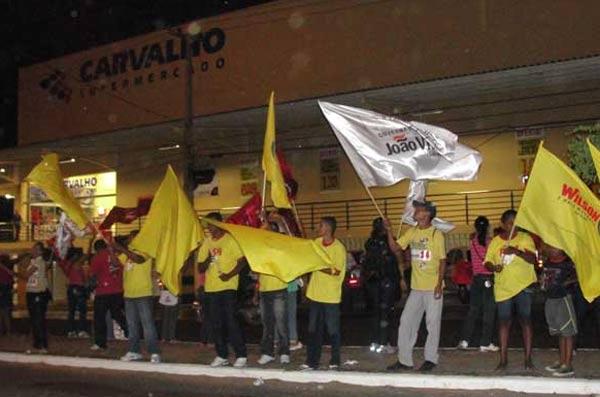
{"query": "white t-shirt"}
[(38, 281), (167, 298)]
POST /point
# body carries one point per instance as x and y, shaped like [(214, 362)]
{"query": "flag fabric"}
[(565, 213), (48, 177), (416, 192), (595, 157), (276, 254), (126, 215), (248, 214), (171, 231), (66, 232), (290, 182), (385, 150), (270, 163)]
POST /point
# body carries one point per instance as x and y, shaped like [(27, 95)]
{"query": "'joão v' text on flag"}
[(171, 231), (279, 255), (48, 177), (565, 213)]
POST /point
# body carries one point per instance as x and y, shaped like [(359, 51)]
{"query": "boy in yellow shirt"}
[(325, 294), (221, 259), (428, 262)]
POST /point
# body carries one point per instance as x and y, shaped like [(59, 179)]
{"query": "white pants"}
[(420, 302)]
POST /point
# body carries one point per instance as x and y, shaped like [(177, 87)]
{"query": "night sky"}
[(33, 31)]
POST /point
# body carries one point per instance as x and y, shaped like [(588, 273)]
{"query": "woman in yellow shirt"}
[(512, 263)]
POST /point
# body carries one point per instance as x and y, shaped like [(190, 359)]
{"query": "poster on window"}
[(250, 173), (207, 182), (329, 166)]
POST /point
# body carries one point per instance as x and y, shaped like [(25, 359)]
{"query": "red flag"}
[(127, 215), (288, 176), (248, 214)]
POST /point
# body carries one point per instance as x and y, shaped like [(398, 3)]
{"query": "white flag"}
[(417, 190), (385, 150)]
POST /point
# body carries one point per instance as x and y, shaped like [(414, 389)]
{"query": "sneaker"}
[(563, 371), (83, 334), (334, 367), (155, 358), (265, 359), (240, 362), (398, 366), (95, 347), (284, 359), (388, 349), (42, 351), (132, 356), (554, 367), (427, 366), (296, 346), (489, 348), (463, 345), (71, 334), (219, 362), (306, 367), (373, 348)]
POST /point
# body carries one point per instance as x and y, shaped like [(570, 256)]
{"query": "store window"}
[(97, 194)]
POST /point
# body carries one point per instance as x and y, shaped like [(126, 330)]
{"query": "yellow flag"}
[(48, 177), (171, 231), (275, 254), (565, 213), (595, 156), (270, 163)]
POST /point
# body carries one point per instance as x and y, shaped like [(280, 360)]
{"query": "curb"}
[(523, 384)]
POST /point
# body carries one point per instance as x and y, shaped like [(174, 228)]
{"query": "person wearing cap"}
[(428, 262)]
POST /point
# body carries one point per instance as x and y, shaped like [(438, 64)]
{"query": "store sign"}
[(329, 160), (83, 187), (249, 173)]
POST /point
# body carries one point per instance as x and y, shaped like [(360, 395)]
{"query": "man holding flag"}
[(428, 264), (221, 259)]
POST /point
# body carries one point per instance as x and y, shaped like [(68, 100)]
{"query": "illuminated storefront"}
[(97, 194)]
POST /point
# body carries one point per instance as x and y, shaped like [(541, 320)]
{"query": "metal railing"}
[(458, 208)]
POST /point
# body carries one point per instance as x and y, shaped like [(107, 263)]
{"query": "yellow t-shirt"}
[(225, 252), (427, 249), (269, 283), (517, 274), (137, 278), (326, 288)]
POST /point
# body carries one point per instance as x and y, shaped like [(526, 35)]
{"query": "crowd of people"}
[(496, 279)]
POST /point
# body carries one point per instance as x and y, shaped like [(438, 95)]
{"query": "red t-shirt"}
[(462, 273), (74, 274), (107, 282)]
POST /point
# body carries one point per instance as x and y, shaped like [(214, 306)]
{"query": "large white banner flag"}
[(385, 150)]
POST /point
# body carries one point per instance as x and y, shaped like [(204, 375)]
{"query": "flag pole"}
[(298, 221), (400, 227), (264, 191), (374, 202)]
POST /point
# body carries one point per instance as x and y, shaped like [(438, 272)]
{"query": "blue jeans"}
[(522, 302), (273, 310), (222, 314), (77, 300), (323, 316), (292, 306), (138, 311)]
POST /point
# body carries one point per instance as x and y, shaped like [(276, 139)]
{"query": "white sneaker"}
[(306, 367), (334, 367), (155, 358), (265, 359), (388, 349), (240, 362), (284, 359), (373, 347), (95, 347), (462, 345), (71, 334), (219, 362), (489, 348), (131, 356), (83, 334), (296, 346)]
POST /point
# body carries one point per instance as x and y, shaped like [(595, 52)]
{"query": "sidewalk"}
[(452, 362)]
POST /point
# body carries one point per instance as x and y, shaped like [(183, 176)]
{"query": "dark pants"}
[(222, 309), (382, 294), (77, 300), (323, 316), (482, 303), (112, 303), (169, 322), (273, 310), (5, 308), (138, 312), (37, 304), (582, 310)]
